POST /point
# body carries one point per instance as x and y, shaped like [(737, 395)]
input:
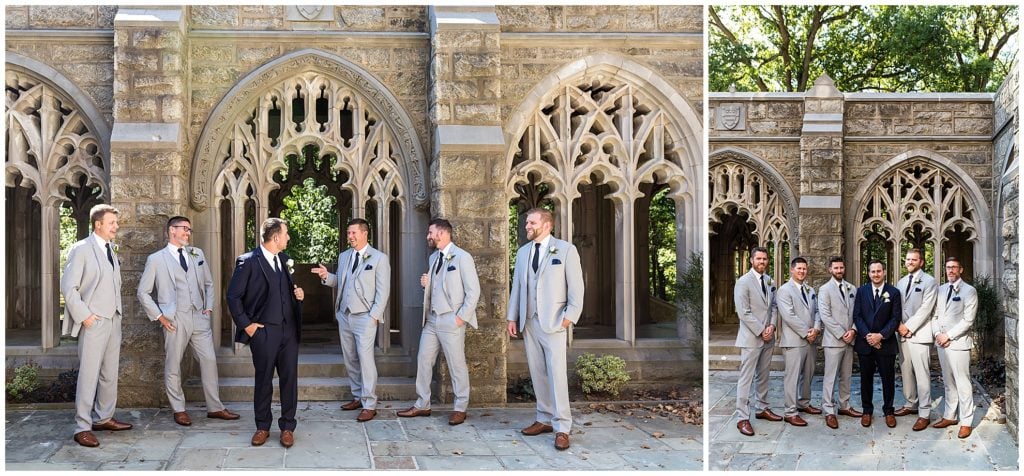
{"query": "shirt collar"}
[(266, 254), (956, 284), (448, 249), (879, 287), (100, 242), (544, 243), (362, 251), (174, 249)]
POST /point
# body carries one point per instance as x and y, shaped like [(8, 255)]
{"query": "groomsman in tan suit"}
[(179, 276), (451, 290), (798, 312), (951, 326), (835, 306), (754, 295), (546, 298), (91, 285), (918, 292)]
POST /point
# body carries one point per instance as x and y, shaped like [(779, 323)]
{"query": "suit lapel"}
[(262, 263)]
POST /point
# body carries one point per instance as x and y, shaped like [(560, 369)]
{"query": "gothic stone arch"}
[(774, 212), (608, 120), (275, 111), (929, 191), (58, 145)]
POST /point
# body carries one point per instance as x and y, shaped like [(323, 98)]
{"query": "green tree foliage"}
[(312, 223), (662, 237), (863, 48)]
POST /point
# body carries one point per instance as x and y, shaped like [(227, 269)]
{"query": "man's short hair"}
[(545, 215), (177, 220), (758, 249), (97, 212), (363, 224), (954, 259), (795, 261), (920, 254), (878, 261), (271, 227), (835, 259), (441, 224)]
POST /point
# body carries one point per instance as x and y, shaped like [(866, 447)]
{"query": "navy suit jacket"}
[(248, 292), (883, 320)]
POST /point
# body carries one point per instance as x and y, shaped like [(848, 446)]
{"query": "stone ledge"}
[(449, 138), (823, 128), (149, 17), (572, 39), (447, 18), (146, 135), (821, 202)]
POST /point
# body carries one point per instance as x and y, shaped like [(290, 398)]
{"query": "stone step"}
[(732, 362), (317, 366), (310, 389)]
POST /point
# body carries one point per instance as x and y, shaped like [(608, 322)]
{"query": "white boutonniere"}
[(366, 256), (192, 252), (115, 248), (885, 296), (917, 281), (291, 266), (450, 257), (552, 250)]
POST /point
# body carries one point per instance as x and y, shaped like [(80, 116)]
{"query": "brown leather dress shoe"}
[(831, 422), (537, 428), (287, 438), (904, 411), (795, 420), (366, 415), (353, 405), (890, 421), (260, 437), (224, 414), (456, 418), (182, 418), (413, 412), (944, 423), (767, 414), (745, 428), (86, 438), (850, 412), (965, 431), (111, 425), (562, 440), (865, 420), (921, 424), (810, 409)]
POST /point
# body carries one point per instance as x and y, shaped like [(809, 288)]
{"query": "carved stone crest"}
[(310, 13), (730, 116)]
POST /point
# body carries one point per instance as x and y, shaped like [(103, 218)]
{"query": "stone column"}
[(467, 170), (821, 179), (148, 171)]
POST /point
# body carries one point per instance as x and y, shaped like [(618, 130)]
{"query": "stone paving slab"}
[(329, 438), (783, 447)]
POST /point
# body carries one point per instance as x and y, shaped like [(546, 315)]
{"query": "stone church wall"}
[(1005, 170)]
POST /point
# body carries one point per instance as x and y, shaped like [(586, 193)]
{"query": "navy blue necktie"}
[(437, 268), (355, 262), (803, 294), (110, 256), (276, 267), (536, 257), (181, 259)]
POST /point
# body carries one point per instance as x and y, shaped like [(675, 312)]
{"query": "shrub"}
[(25, 381), (988, 322), (690, 295), (606, 373)]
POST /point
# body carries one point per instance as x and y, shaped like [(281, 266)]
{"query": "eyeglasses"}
[(187, 228)]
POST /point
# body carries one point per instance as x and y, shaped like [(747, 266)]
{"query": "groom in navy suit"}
[(876, 314), (266, 307)]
